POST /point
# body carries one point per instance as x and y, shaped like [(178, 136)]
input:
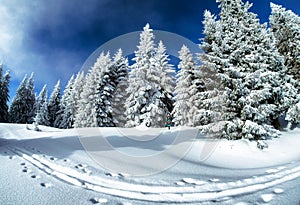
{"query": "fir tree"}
[(166, 74), (208, 95), (87, 110), (285, 25), (106, 88), (54, 106), (77, 90), (17, 108), (118, 104), (65, 115), (4, 95), (185, 77), (41, 116), (22, 109), (30, 100), (146, 103), (256, 88)]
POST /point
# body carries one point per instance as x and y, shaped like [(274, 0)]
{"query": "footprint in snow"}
[(11, 157), (278, 191), (266, 197), (96, 200), (23, 163), (52, 158), (35, 177), (66, 160), (214, 180), (111, 174), (26, 170), (47, 185)]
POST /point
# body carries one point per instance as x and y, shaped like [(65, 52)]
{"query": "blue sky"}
[(54, 38)]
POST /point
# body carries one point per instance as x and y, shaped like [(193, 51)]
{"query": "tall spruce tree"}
[(185, 77), (65, 117), (117, 102), (285, 25), (166, 73), (17, 107), (41, 114), (207, 98), (4, 95), (146, 102), (22, 109), (87, 110), (77, 90), (256, 88), (54, 105), (30, 100)]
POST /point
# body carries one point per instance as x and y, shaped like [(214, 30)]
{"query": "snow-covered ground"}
[(68, 167)]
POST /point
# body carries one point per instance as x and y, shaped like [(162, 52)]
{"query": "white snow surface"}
[(52, 167)]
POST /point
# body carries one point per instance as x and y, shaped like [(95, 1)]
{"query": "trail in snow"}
[(201, 191)]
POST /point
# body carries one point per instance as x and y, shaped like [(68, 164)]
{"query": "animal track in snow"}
[(96, 200), (47, 185), (266, 197), (278, 191)]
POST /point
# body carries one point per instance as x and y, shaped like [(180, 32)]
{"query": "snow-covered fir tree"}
[(145, 104), (30, 100), (256, 88), (42, 114), (77, 90), (22, 109), (117, 102), (65, 117), (54, 105), (105, 92), (4, 94), (285, 25), (207, 97), (87, 110), (166, 73), (17, 107), (293, 114), (185, 77)]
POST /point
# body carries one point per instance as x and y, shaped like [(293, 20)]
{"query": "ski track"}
[(212, 190)]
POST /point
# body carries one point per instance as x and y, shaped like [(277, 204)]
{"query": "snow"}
[(52, 167)]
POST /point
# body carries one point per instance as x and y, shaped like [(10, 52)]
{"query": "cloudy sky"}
[(54, 38)]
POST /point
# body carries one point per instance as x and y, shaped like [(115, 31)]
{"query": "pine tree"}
[(185, 77), (54, 105), (145, 104), (285, 25), (117, 102), (41, 115), (207, 96), (4, 95), (77, 90), (22, 109), (166, 73), (30, 100), (256, 88), (17, 108), (293, 114), (66, 113), (105, 93), (87, 110)]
